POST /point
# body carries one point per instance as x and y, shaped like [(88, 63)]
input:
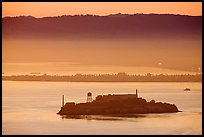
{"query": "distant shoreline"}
[(105, 81), (120, 77)]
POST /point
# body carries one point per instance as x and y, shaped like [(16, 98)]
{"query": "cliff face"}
[(125, 106)]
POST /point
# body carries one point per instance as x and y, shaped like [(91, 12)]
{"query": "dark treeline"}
[(120, 77)]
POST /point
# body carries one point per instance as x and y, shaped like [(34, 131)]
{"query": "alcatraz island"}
[(116, 104)]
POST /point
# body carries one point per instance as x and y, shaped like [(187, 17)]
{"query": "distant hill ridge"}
[(94, 15), (110, 26)]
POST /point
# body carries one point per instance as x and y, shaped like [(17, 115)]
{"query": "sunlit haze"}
[(102, 68), (93, 47)]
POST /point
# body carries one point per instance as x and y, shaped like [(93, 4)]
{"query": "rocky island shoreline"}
[(116, 104)]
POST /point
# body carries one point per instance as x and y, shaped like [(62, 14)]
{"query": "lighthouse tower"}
[(89, 97)]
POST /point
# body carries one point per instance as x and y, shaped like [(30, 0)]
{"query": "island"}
[(116, 104)]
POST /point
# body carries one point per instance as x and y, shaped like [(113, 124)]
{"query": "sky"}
[(42, 9)]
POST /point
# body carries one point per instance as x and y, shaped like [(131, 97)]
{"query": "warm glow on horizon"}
[(42, 9), (101, 68)]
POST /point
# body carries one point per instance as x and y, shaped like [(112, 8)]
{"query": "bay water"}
[(31, 107)]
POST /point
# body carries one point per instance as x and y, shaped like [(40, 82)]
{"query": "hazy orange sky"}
[(41, 9)]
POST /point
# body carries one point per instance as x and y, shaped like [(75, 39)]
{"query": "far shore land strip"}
[(120, 77)]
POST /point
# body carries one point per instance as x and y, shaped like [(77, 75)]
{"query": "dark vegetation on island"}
[(118, 104), (110, 26), (120, 77)]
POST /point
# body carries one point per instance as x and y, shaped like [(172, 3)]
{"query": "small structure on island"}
[(62, 100), (136, 94), (89, 97)]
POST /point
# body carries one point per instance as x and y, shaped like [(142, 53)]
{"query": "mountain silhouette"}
[(110, 26)]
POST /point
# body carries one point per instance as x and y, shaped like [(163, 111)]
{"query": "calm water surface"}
[(31, 107)]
